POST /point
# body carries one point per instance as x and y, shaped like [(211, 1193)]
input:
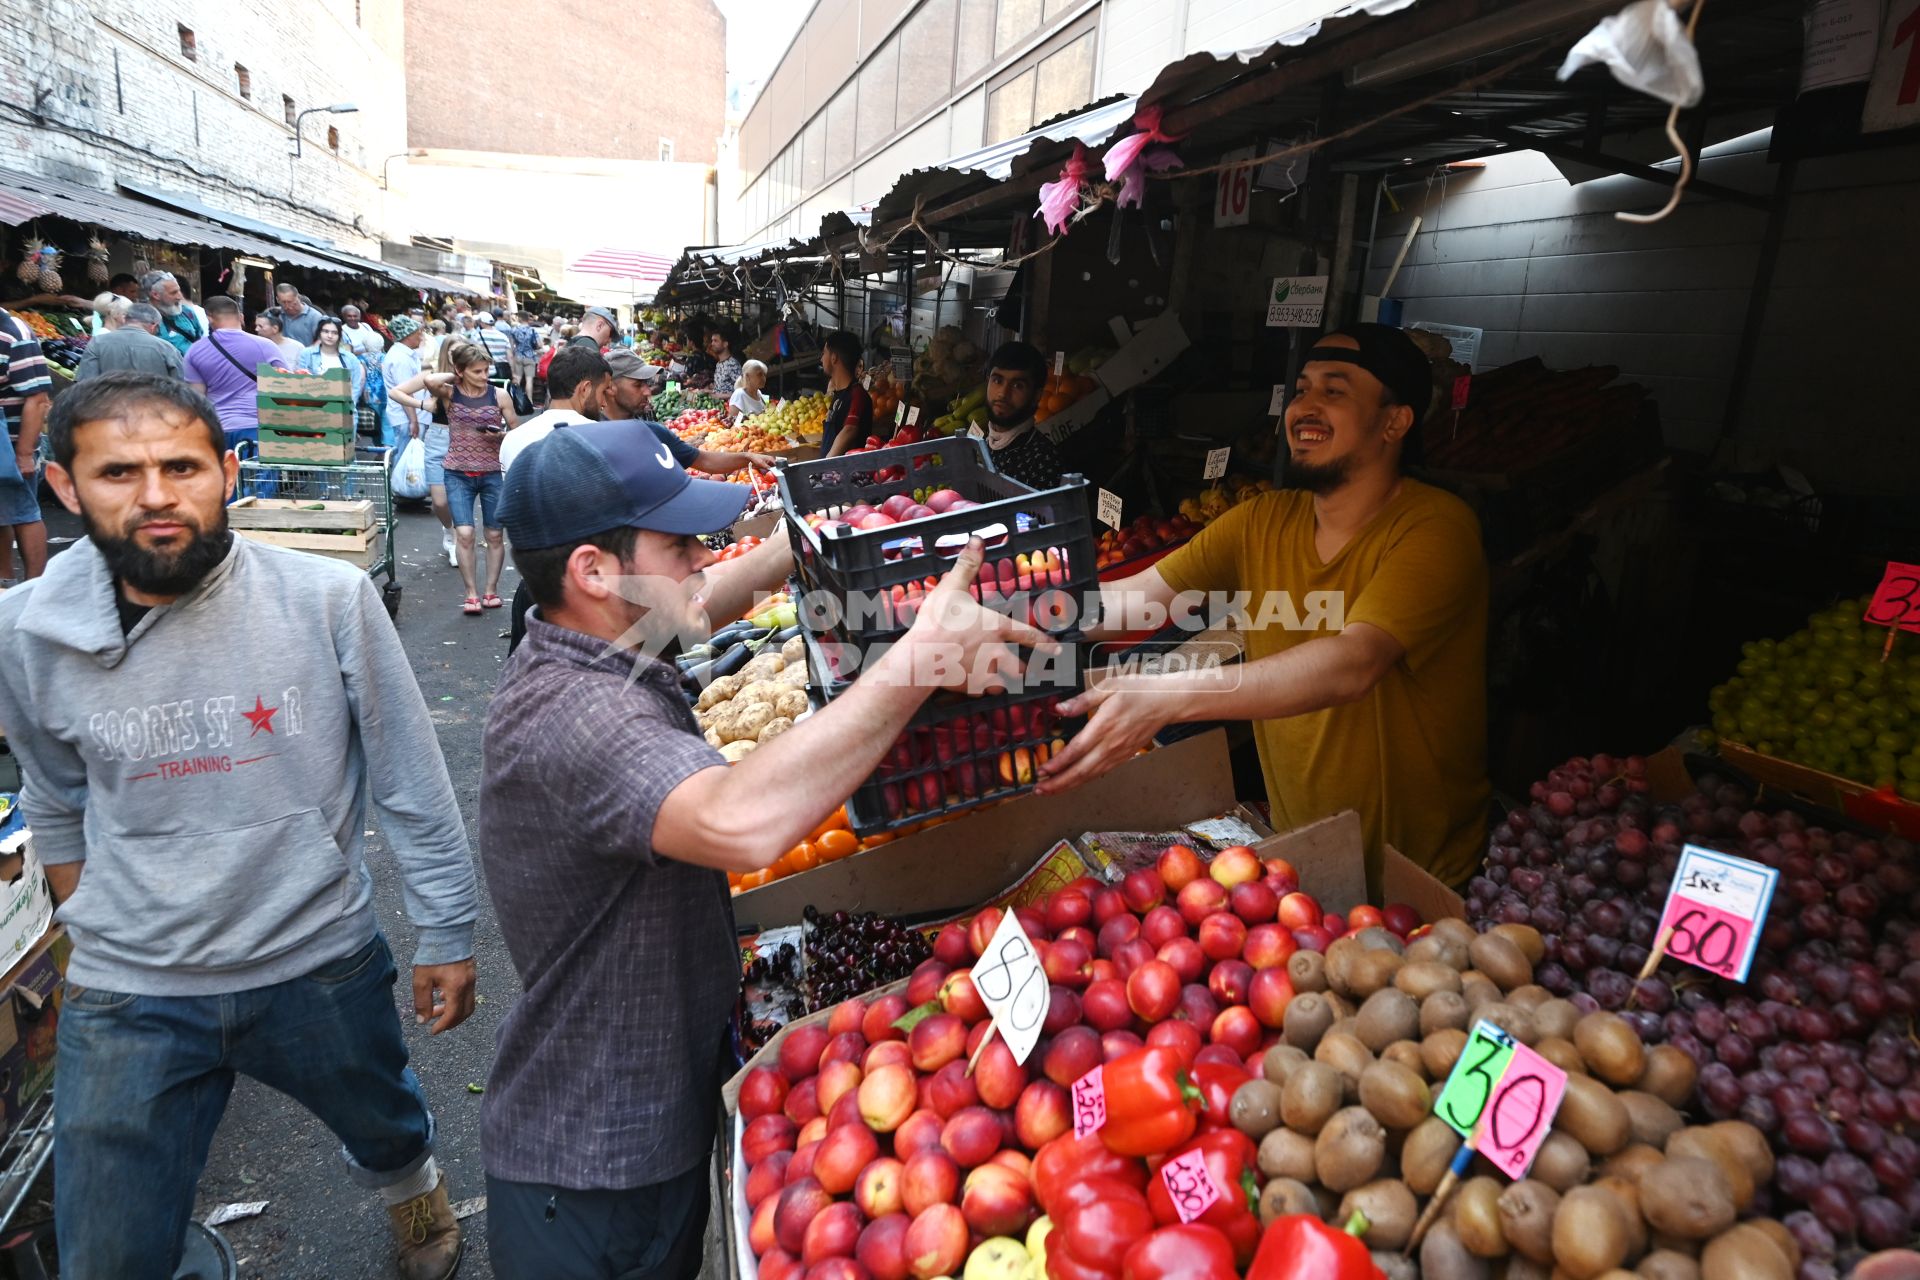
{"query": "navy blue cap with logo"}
[(586, 479)]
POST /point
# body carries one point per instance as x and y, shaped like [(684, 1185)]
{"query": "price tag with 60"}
[(1715, 911), (1502, 1097), (1013, 986)]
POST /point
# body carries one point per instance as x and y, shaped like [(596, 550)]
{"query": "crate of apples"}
[(1142, 536)]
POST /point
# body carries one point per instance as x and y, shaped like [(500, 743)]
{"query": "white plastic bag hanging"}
[(1646, 47), (410, 470)]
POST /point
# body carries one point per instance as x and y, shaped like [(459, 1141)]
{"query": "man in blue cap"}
[(607, 826)]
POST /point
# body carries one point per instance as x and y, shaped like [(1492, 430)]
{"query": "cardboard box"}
[(1855, 799), (283, 384), (30, 997), (26, 900)]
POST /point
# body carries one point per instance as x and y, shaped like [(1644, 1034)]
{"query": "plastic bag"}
[(1645, 45), (410, 470)]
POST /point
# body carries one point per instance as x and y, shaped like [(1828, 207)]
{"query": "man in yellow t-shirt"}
[(1367, 597)]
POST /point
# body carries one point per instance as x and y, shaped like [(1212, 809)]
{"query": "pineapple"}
[(29, 270), (49, 276), (97, 261)]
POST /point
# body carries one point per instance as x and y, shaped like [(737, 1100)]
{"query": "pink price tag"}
[(1707, 936), (1089, 1103), (1190, 1186), (1462, 388), (1521, 1112), (1714, 910)]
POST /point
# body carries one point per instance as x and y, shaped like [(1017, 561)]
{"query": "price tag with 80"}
[(1089, 1103), (1502, 1097), (1013, 986), (1715, 910)]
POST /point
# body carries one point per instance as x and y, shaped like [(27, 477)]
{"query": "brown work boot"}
[(428, 1235)]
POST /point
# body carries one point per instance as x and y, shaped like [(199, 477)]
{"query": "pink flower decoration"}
[(1059, 201)]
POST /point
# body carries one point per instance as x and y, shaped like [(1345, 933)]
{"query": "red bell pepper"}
[(1301, 1247), (1231, 1159), (1068, 1159), (1152, 1107), (1192, 1252), (1095, 1230), (1217, 1082)]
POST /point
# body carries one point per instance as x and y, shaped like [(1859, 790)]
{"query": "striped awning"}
[(624, 264)]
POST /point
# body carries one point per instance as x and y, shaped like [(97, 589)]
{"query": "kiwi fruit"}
[(1282, 1197), (1686, 1197), (1456, 929), (1629, 1164), (1340, 957), (1653, 1121), (1744, 1253), (1628, 1196), (1594, 1116), (1280, 1062), (1520, 1267), (1561, 1163), (1394, 1266), (1527, 1211), (1562, 1054), (1437, 949), (1749, 1145), (1529, 997), (1345, 1054), (1668, 1264), (1476, 1217), (1443, 1010), (1479, 989), (1556, 1017), (1425, 977), (1501, 959), (1426, 1153), (1510, 1018), (1782, 1238), (1397, 1097), (1307, 970), (1310, 1097), (1255, 1109), (1525, 937), (1669, 1075), (1372, 971), (1407, 1054), (1306, 1020), (1286, 1154), (1376, 938), (1611, 1047), (1440, 1050), (1443, 1257), (1388, 1015), (1349, 1151), (1389, 1207), (1707, 1144), (1589, 1233)]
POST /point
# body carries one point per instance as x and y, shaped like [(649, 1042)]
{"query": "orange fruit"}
[(805, 856), (837, 844)]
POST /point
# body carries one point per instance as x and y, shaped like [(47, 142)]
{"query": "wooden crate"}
[(279, 384), (325, 415), (310, 448), (289, 515), (360, 547)]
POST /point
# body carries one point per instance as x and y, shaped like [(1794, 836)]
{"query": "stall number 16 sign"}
[(1715, 911), (1233, 189)]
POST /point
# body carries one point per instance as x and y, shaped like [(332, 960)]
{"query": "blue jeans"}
[(144, 1080), (464, 492)]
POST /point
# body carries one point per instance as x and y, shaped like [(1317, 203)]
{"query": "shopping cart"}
[(365, 478)]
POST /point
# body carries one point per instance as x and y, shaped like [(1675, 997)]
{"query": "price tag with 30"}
[(1715, 910), (1217, 463), (1502, 1097), (1189, 1185), (1089, 1103), (1013, 986), (1475, 1073)]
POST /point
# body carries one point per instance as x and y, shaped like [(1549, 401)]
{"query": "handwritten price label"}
[(1277, 402), (1108, 509), (1462, 388), (1897, 601), (1475, 1075), (1524, 1103), (1013, 986), (1059, 363), (1189, 1185), (913, 416), (1217, 463), (1089, 1103), (1714, 911)]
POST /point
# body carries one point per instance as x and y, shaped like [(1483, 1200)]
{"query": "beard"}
[(1014, 418), (169, 308), (158, 572), (1316, 477)]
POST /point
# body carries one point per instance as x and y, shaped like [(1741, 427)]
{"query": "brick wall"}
[(515, 77), (121, 101)]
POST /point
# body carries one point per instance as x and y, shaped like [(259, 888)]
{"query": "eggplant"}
[(700, 675), (733, 631), (732, 660)]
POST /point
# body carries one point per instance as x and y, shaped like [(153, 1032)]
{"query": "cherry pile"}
[(850, 954), (1818, 1048)]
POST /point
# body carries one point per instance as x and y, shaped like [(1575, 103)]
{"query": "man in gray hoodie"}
[(201, 721)]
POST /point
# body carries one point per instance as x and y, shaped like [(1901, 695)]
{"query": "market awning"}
[(624, 264), (26, 196)]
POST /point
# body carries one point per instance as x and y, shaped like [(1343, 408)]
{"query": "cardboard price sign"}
[(1189, 1185), (1896, 602), (1715, 909), (1013, 986), (1502, 1098), (1217, 463), (1475, 1074), (1108, 509), (1089, 1103)]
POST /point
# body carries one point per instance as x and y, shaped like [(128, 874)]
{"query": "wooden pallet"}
[(279, 384), (288, 515), (361, 547)]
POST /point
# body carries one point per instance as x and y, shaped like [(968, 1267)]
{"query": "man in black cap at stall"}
[(1366, 597)]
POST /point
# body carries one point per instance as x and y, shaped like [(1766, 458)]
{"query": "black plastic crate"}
[(865, 586), (958, 752)]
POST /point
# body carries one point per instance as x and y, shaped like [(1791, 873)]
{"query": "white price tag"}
[(1108, 509), (867, 382), (900, 413), (1059, 363), (1716, 909), (1013, 986), (1217, 463), (913, 415), (1277, 405)]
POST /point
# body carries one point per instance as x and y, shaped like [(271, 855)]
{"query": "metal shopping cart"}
[(366, 478)]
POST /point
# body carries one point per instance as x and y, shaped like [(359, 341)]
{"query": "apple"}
[(855, 511), (1070, 1055), (767, 1177), (1153, 990), (1281, 869), (924, 984), (929, 1178), (936, 1242), (1222, 935), (1335, 924), (848, 1046), (998, 1077), (1068, 963), (882, 1247), (1082, 934), (1018, 1161), (845, 1111), (1032, 922), (765, 1135), (1312, 938), (833, 1233), (778, 1264), (1229, 980), (1043, 1113), (847, 1016), (980, 932), (801, 1166), (1186, 957), (887, 1097), (897, 504), (1197, 1005), (1179, 866), (1365, 917), (1235, 1028), (1108, 971), (996, 1201), (952, 1089), (971, 1135), (1104, 1005), (1201, 898), (1143, 891), (877, 1188), (941, 500), (1182, 1037), (1236, 865), (836, 1078), (1221, 1054), (935, 1041), (976, 1036), (874, 520), (1400, 918), (961, 998), (877, 1026), (842, 1155), (1162, 925), (918, 1132), (1300, 911), (1067, 909), (1118, 1044), (812, 1131), (1254, 902), (799, 1055), (1108, 905), (950, 946), (1063, 1010), (762, 1093), (763, 1234), (1268, 946), (1115, 932), (885, 1052), (797, 1206), (1269, 994), (1131, 955), (917, 512)]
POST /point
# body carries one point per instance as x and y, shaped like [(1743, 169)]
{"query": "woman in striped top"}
[(477, 415)]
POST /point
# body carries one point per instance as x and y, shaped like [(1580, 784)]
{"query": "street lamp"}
[(337, 109)]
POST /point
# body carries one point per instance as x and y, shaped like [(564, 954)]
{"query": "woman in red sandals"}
[(477, 414)]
